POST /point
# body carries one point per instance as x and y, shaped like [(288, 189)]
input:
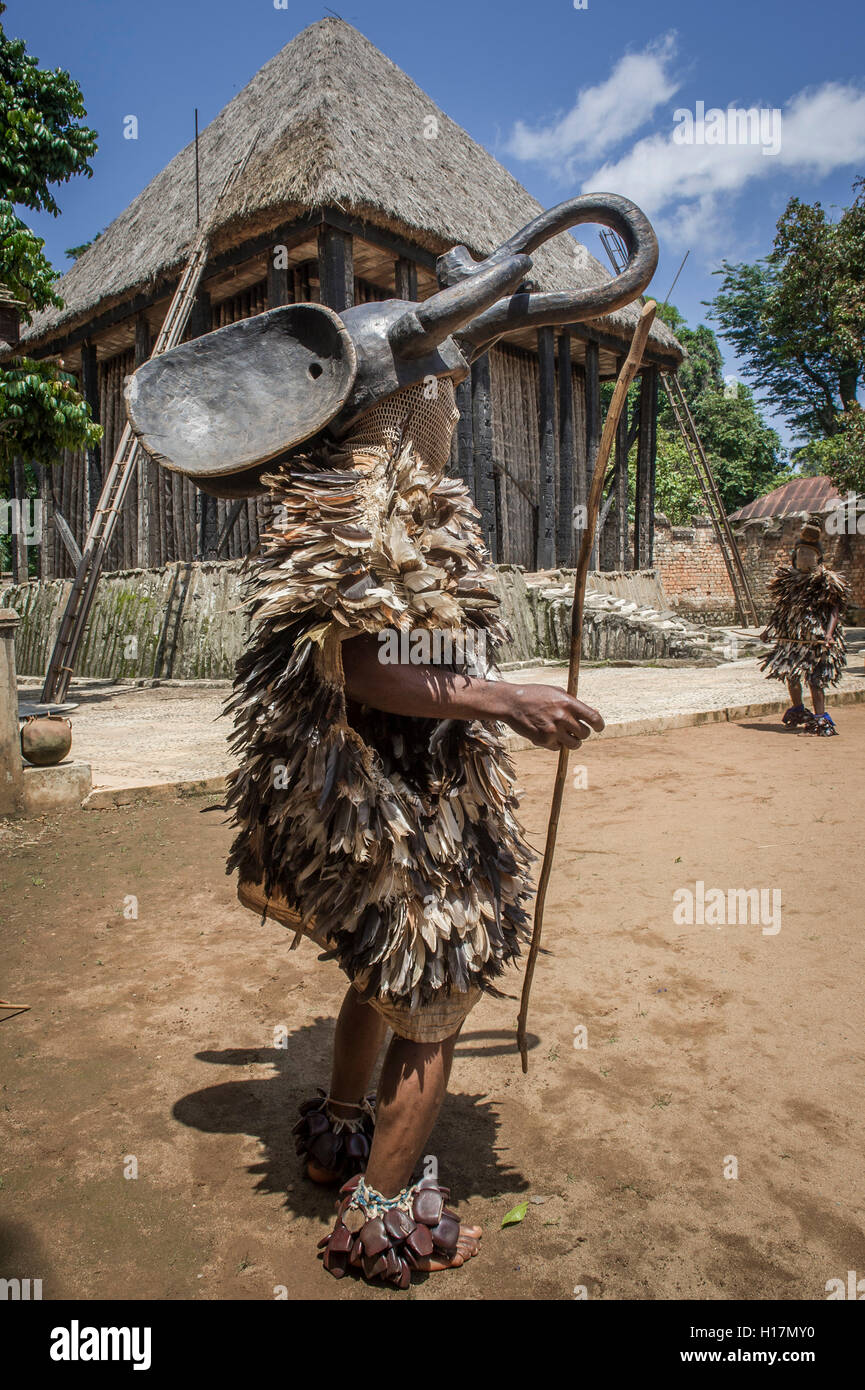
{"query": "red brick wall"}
[(692, 571)]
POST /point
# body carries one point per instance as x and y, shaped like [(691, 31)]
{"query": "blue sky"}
[(569, 99)]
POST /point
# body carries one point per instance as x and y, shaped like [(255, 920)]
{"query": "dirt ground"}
[(181, 1041)]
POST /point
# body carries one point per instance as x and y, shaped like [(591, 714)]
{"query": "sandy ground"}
[(155, 1041), (135, 735)]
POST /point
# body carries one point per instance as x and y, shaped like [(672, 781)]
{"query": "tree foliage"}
[(42, 140), (797, 317), (41, 143), (744, 452)]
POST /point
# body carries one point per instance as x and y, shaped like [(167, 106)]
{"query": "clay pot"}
[(46, 739)]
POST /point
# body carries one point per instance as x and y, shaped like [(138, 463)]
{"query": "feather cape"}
[(398, 834), (803, 604)]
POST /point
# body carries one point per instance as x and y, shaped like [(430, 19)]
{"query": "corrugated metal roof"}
[(800, 495)]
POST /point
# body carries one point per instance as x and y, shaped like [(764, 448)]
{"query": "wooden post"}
[(482, 432), (47, 527), (567, 455), (621, 489), (335, 268), (405, 279), (206, 508), (465, 436), (11, 773), (644, 511), (280, 280), (593, 423), (545, 554), (144, 466), (90, 392)]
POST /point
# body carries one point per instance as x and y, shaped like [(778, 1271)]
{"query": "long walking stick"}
[(626, 376)]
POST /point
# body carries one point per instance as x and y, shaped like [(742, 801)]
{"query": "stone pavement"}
[(170, 738)]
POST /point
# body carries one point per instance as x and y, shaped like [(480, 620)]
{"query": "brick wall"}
[(692, 571), (694, 576)]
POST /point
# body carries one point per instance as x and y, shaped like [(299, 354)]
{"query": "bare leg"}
[(359, 1035), (413, 1085), (818, 697), (795, 689)]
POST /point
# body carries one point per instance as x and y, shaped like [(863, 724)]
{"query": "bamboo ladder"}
[(123, 467), (744, 599)]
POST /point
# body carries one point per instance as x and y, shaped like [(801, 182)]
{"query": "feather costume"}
[(803, 605), (398, 834)]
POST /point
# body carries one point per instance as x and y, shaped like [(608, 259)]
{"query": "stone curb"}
[(103, 798)]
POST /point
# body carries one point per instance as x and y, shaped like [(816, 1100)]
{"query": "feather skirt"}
[(802, 607), (397, 834)]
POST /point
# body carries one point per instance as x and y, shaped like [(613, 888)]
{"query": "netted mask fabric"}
[(423, 415)]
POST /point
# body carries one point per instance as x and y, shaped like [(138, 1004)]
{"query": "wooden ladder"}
[(123, 468), (744, 599), (745, 605)]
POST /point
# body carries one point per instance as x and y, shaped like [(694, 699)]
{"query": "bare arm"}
[(542, 713), (832, 624)]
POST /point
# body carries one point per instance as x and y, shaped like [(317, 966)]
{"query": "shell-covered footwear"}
[(796, 715), (386, 1237), (822, 726), (337, 1144)]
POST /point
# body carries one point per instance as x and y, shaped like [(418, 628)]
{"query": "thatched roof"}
[(339, 125)]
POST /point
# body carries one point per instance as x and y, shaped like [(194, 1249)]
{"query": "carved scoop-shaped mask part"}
[(237, 397)]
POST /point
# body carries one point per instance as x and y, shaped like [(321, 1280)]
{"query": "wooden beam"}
[(405, 278), (653, 352), (482, 431), (545, 551), (621, 490), (335, 268), (280, 280), (465, 437), (145, 465), (90, 392), (593, 423), (567, 455), (64, 531)]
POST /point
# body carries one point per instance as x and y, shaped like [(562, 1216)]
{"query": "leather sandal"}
[(386, 1237)]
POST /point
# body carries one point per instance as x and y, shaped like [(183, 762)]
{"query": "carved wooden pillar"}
[(644, 511), (545, 553), (90, 392), (405, 278), (145, 464), (482, 431), (567, 454), (465, 436), (335, 268)]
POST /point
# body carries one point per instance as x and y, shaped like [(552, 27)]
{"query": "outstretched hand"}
[(549, 717)]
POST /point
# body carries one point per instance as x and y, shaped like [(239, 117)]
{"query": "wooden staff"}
[(617, 404)]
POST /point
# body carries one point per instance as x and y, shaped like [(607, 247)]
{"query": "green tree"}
[(41, 142), (797, 317), (744, 452)]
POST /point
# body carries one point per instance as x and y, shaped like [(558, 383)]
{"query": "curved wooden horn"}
[(423, 327), (568, 306)]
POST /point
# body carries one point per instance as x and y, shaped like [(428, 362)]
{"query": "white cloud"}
[(605, 115), (823, 129)]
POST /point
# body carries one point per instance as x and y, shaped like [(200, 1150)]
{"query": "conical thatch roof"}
[(339, 125)]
